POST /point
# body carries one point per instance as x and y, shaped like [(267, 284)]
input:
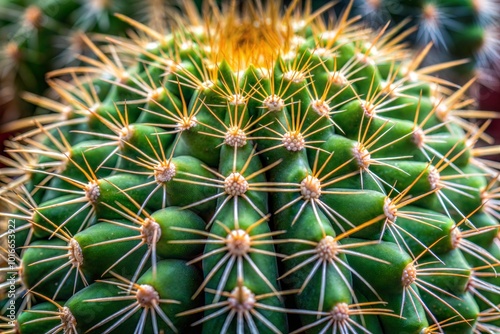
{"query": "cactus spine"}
[(252, 170)]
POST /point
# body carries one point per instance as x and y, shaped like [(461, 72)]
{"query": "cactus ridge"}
[(252, 170)]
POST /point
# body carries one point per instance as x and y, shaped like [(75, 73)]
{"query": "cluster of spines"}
[(231, 192)]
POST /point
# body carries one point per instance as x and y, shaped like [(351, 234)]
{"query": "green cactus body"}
[(252, 170)]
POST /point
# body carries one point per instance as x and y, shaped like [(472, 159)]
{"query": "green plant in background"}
[(459, 30), (37, 36), (256, 169)]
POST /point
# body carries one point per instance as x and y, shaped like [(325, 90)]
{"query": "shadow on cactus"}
[(255, 169)]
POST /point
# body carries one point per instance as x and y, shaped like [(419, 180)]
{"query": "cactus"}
[(465, 30), (255, 169)]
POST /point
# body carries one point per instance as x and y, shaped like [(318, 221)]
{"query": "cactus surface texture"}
[(255, 168)]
